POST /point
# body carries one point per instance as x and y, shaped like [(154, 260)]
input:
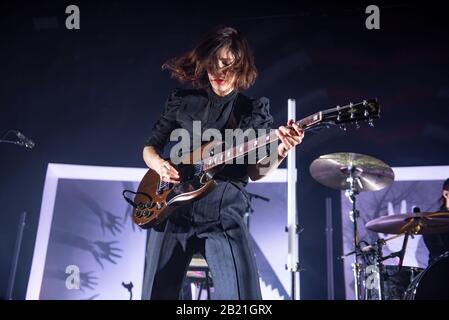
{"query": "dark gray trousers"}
[(213, 226)]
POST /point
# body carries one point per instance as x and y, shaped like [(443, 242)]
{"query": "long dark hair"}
[(192, 66)]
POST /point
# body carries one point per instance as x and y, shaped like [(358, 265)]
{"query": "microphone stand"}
[(18, 143), (21, 226), (256, 196), (15, 260), (400, 253), (250, 210)]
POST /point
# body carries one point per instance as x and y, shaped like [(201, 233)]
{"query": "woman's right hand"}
[(166, 171)]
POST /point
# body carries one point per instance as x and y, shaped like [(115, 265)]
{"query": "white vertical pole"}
[(292, 224)]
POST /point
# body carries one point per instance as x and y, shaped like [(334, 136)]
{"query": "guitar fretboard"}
[(229, 155)]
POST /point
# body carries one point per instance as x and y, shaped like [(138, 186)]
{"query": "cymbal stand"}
[(379, 259), (374, 271), (376, 281), (400, 253), (351, 194)]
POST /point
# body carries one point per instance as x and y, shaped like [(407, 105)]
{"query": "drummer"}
[(437, 244)]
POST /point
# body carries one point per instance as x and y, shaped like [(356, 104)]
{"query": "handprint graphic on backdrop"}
[(87, 279), (105, 250), (100, 250), (108, 221)]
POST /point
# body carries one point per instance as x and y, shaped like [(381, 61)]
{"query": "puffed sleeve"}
[(166, 123), (259, 118)]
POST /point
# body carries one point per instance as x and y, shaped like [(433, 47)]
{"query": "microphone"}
[(24, 141)]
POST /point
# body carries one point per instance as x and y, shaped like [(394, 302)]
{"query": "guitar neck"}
[(227, 156), (367, 110), (243, 149)]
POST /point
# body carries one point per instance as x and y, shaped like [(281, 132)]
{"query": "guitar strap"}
[(235, 117), (234, 122)]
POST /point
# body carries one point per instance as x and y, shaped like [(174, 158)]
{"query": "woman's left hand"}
[(290, 137)]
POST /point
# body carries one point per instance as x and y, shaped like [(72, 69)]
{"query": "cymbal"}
[(333, 170), (414, 223)]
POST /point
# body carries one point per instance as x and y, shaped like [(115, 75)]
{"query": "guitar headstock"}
[(367, 110)]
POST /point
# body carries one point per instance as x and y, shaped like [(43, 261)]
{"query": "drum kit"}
[(373, 280)]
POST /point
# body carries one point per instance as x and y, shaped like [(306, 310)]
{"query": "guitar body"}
[(156, 199)]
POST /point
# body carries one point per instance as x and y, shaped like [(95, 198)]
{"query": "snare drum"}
[(432, 283), (397, 280)]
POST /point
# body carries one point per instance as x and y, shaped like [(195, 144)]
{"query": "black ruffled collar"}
[(216, 99)]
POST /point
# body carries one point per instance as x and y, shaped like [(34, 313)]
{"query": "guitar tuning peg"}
[(357, 125), (371, 123), (366, 113), (343, 127)]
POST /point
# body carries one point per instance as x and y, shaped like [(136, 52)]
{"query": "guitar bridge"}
[(162, 186)]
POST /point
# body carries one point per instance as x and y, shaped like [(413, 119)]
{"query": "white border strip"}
[(420, 173), (43, 234), (56, 171), (69, 171)]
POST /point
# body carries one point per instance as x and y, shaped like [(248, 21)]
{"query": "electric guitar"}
[(155, 200)]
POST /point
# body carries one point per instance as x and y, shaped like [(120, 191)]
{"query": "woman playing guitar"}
[(217, 70)]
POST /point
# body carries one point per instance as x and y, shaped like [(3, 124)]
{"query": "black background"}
[(90, 96)]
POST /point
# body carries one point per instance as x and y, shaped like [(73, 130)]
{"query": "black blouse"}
[(437, 243), (185, 106)]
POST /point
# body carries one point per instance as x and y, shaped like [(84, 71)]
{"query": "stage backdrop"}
[(88, 248), (413, 187)]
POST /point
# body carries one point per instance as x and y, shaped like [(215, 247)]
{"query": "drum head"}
[(432, 283)]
